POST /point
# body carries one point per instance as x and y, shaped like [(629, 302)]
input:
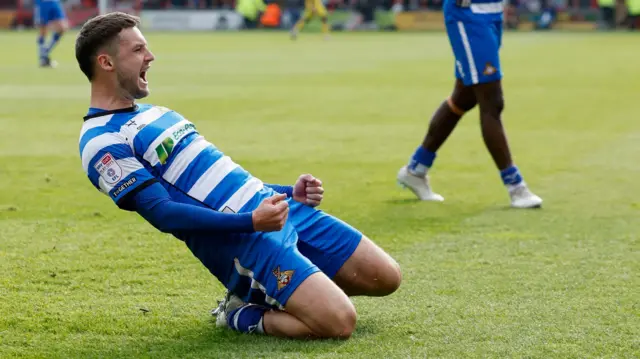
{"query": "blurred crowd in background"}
[(362, 14)]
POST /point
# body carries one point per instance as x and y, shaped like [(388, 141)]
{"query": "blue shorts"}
[(48, 11), (267, 267), (475, 40)]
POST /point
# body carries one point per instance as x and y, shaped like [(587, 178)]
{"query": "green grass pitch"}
[(81, 279)]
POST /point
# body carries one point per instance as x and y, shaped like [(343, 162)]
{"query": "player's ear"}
[(105, 62)]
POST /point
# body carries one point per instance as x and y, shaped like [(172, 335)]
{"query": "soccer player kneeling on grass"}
[(288, 267)]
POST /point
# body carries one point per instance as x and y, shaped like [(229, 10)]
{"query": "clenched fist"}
[(308, 190), (271, 214)]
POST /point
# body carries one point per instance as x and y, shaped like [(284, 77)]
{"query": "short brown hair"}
[(98, 32)]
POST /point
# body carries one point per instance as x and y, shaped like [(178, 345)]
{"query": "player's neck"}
[(106, 98)]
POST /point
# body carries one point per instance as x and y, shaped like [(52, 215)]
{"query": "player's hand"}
[(271, 214), (308, 190)]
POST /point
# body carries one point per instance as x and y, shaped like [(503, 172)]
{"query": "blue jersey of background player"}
[(289, 267), (48, 14), (474, 28)]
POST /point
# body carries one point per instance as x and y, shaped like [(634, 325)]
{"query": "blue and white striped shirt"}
[(126, 150)]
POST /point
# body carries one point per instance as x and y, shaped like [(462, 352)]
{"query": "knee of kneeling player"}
[(345, 323), (390, 280), (340, 323), (395, 278)]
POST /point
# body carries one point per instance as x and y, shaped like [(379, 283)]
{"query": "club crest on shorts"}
[(283, 277), (489, 69)]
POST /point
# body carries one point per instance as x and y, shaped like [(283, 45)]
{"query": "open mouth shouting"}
[(143, 76)]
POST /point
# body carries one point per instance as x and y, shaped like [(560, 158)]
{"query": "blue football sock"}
[(421, 161), (247, 319), (42, 50), (511, 176), (54, 40)]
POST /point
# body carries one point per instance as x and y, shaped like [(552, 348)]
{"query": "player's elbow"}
[(159, 219), (162, 226), (165, 222), (156, 221)]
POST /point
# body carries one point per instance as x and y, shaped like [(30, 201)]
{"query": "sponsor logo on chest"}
[(165, 148)]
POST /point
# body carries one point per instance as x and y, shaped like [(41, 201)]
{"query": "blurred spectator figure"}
[(250, 11), (397, 7), (607, 14), (435, 5), (271, 17), (292, 12), (364, 15), (633, 19), (511, 17), (179, 4), (547, 17)]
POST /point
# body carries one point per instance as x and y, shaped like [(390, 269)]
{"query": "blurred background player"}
[(474, 28), (251, 10), (633, 18), (49, 14), (311, 8), (607, 14)]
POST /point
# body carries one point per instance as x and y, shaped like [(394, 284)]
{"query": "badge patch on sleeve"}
[(109, 169)]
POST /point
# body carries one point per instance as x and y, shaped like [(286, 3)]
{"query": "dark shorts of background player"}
[(266, 268)]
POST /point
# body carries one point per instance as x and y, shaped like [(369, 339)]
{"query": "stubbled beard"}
[(129, 85)]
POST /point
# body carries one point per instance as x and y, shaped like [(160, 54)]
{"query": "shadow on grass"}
[(458, 208), (208, 341), (399, 201)]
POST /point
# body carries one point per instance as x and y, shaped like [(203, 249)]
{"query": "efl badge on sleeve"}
[(109, 169), (283, 278)]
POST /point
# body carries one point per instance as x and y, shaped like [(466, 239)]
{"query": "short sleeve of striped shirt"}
[(111, 166)]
